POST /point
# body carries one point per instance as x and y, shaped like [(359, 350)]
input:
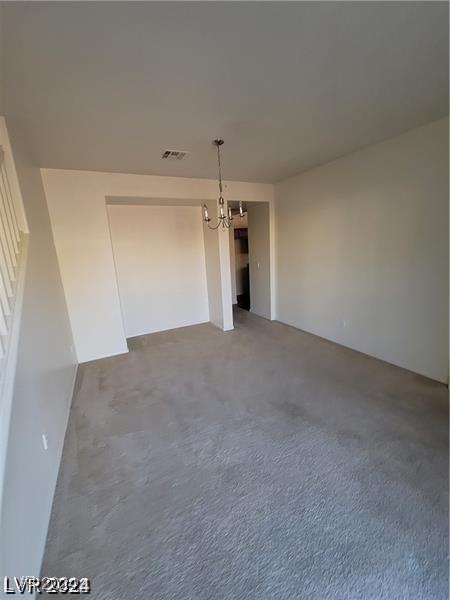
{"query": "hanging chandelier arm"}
[(215, 227)]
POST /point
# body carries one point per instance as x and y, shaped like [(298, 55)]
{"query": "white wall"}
[(160, 263), (259, 257), (362, 250), (76, 201), (43, 388)]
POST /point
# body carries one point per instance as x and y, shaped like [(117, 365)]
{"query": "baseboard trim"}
[(353, 349)]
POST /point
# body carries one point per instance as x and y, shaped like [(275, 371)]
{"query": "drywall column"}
[(212, 259), (218, 272), (259, 257), (225, 278)]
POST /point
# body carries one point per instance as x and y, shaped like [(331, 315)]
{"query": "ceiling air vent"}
[(173, 154)]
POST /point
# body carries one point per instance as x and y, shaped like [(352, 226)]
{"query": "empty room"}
[(224, 300)]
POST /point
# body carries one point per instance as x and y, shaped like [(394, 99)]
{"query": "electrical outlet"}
[(45, 441)]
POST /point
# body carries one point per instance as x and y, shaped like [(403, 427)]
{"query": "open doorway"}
[(250, 258), (242, 270)]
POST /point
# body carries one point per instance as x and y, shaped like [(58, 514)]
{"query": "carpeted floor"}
[(259, 463)]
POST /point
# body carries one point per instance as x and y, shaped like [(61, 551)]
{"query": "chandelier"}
[(223, 220)]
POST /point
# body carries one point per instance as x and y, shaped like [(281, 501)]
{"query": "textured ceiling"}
[(289, 85)]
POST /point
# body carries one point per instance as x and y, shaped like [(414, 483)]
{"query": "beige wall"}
[(259, 258), (362, 250), (160, 262), (76, 201), (43, 387)]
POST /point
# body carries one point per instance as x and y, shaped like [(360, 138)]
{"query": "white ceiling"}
[(289, 85)]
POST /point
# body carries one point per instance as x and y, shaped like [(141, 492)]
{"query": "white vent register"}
[(173, 154)]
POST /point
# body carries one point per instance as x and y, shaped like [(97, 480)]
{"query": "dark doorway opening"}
[(242, 272)]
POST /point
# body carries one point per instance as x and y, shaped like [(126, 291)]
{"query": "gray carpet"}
[(259, 463)]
